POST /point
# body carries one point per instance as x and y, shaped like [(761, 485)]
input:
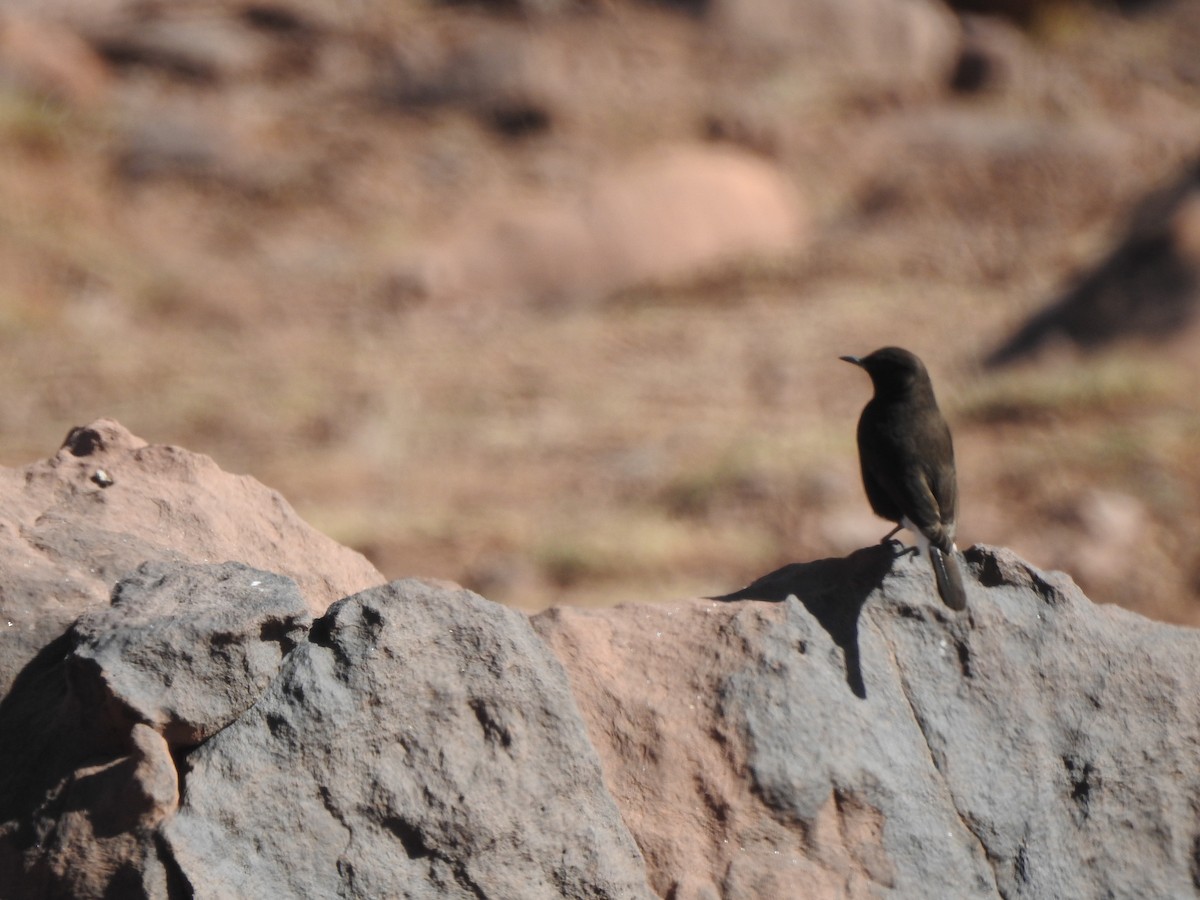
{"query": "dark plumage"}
[(907, 460)]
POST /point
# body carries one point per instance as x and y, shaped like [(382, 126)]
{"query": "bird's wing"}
[(922, 493), (943, 483), (944, 486), (923, 509)]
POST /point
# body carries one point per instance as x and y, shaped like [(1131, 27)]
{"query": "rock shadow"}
[(833, 591), (53, 720), (1149, 284)]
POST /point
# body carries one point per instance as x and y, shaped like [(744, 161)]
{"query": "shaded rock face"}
[(832, 730), (89, 731), (1148, 285)]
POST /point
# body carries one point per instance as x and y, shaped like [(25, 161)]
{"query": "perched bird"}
[(907, 460)]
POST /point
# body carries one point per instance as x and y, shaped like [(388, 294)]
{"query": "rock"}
[(51, 60), (899, 48), (831, 729), (187, 649), (850, 735), (994, 56), (1013, 186), (1148, 285), (88, 731), (161, 145), (678, 213), (203, 49), (94, 835), (502, 75), (73, 525), (684, 211), (423, 743)]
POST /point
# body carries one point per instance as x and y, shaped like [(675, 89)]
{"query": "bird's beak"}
[(852, 359)]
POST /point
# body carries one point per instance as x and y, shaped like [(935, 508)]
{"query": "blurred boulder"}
[(897, 48), (679, 213), (1029, 11), (508, 77), (51, 60), (199, 49), (1147, 286), (161, 144), (1012, 186), (76, 523)]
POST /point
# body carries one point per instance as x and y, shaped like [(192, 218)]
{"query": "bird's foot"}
[(898, 547), (890, 537)]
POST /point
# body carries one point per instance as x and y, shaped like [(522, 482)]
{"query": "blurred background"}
[(546, 296)]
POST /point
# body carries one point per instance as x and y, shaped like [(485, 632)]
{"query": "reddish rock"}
[(690, 210), (678, 213), (51, 60), (71, 526)]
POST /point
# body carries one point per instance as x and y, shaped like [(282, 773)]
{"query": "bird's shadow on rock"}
[(833, 591)]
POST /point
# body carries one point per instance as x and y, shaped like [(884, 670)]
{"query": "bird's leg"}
[(889, 537)]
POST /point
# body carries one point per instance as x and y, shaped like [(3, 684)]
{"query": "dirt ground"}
[(327, 245)]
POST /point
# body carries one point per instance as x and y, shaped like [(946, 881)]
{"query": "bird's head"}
[(892, 369)]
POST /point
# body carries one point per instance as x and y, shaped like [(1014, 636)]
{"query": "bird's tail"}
[(949, 578)]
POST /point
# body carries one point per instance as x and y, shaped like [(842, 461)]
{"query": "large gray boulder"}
[(89, 731), (188, 648), (422, 743), (833, 730)]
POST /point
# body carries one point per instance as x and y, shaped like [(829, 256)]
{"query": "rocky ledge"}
[(175, 722)]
